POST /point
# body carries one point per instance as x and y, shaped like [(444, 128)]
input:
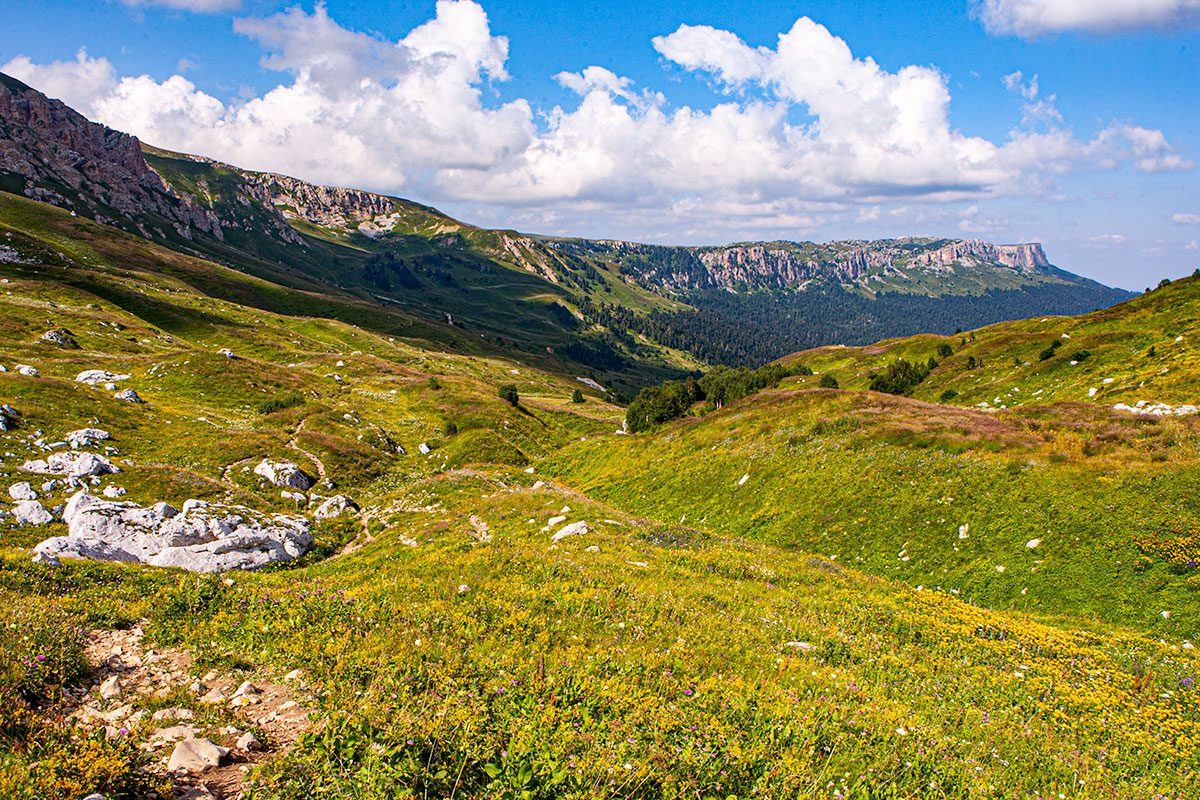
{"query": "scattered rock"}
[(60, 337), (196, 756), (72, 464), (31, 512), (225, 351), (200, 538), (463, 588), (283, 473), (1033, 543), (22, 491), (129, 396), (110, 689), (173, 713), (161, 737), (424, 449), (592, 549), (248, 741), (198, 792), (214, 696), (335, 506), (27, 371), (294, 676), (574, 529), (86, 437), (113, 492), (556, 519), (94, 376), (1144, 408)]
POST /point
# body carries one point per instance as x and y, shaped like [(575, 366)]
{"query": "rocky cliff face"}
[(320, 205), (1022, 257), (64, 159), (770, 268)]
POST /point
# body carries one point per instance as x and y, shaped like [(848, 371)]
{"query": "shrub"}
[(577, 396), (449, 429), (948, 395), (828, 381), (1049, 352), (944, 350), (434, 383), (1080, 355), (508, 392), (801, 369), (273, 404)]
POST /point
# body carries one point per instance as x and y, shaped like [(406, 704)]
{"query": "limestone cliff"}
[(62, 158)]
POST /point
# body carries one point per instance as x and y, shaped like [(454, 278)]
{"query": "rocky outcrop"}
[(283, 473), (72, 465), (335, 506), (199, 538), (320, 205), (96, 171)]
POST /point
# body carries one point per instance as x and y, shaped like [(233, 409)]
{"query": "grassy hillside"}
[(816, 630)]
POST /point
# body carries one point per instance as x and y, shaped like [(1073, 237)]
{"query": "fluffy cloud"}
[(1031, 18), (1186, 219), (804, 131)]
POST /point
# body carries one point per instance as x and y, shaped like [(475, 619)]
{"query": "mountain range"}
[(623, 312)]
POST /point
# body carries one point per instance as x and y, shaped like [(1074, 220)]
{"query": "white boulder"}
[(196, 756), (22, 491), (27, 371), (86, 437), (334, 507), (574, 529), (31, 512), (72, 464), (200, 538), (283, 473), (95, 376), (129, 396)]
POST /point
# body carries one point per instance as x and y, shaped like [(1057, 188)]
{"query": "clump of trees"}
[(655, 405), (900, 377), (828, 381)]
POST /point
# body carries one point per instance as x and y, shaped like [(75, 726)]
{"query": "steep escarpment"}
[(53, 154)]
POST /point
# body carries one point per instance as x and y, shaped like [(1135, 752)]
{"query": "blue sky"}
[(1060, 121)]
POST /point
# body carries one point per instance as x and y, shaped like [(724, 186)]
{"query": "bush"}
[(944, 350), (801, 369), (1049, 352), (508, 392), (828, 381), (577, 396), (434, 383), (274, 404), (1080, 355), (948, 395), (449, 429)]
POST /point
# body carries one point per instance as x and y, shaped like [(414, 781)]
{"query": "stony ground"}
[(208, 732)]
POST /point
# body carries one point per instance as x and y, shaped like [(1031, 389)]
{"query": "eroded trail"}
[(294, 444), (261, 716)]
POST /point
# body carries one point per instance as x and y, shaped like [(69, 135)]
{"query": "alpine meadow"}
[(311, 491)]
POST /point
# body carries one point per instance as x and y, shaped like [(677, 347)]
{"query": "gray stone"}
[(22, 491), (196, 756), (86, 437), (424, 449), (283, 473), (248, 741), (59, 337), (335, 506), (128, 395), (113, 492), (200, 538), (94, 376), (27, 371), (79, 464), (31, 512), (198, 792)]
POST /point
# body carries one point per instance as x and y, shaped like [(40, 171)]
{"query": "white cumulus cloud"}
[(1031, 18), (803, 132)]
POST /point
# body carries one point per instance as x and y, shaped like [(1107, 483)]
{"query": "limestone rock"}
[(248, 741), (31, 512), (113, 492), (198, 792), (574, 529), (110, 689), (196, 756), (200, 538), (283, 473), (129, 396), (22, 491), (60, 337), (424, 449), (95, 376), (334, 507), (79, 464), (86, 437), (28, 371)]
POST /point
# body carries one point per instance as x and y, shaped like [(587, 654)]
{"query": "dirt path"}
[(293, 443), (129, 679)]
